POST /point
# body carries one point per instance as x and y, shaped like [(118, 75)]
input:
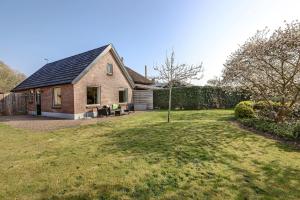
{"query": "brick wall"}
[(110, 84), (67, 102), (67, 98)]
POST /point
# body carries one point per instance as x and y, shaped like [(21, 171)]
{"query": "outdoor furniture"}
[(117, 112), (116, 109), (104, 111)]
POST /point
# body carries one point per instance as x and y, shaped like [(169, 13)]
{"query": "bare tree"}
[(268, 65), (172, 73)]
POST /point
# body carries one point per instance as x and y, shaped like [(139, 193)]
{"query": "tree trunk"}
[(282, 114), (170, 102)]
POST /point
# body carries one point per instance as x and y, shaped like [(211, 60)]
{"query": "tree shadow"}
[(200, 143), (184, 142)]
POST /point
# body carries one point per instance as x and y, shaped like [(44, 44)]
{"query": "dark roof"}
[(138, 78), (60, 72)]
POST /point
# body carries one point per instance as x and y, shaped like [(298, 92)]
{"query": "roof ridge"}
[(104, 46)]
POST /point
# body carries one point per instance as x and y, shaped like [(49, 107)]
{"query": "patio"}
[(40, 123)]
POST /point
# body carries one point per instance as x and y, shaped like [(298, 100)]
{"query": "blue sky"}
[(142, 31)]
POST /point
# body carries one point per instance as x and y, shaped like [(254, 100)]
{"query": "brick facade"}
[(109, 84), (67, 98)]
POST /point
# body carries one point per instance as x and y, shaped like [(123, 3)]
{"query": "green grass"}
[(199, 155)]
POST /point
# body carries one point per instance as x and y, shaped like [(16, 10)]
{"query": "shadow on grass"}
[(206, 142), (185, 142), (201, 141)]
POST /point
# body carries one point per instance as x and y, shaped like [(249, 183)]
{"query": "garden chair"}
[(116, 109)]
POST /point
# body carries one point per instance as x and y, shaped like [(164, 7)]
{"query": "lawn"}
[(199, 155)]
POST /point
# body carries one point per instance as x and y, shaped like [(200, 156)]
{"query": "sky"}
[(142, 31)]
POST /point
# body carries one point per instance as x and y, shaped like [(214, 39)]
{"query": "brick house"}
[(74, 87)]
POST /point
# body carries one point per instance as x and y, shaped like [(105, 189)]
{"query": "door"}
[(38, 103)]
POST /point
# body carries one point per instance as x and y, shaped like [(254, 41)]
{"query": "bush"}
[(280, 129), (261, 105), (198, 97), (265, 118), (244, 110), (296, 131), (267, 109), (248, 103)]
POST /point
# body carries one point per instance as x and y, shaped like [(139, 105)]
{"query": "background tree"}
[(215, 81), (268, 65), (9, 78), (171, 73)]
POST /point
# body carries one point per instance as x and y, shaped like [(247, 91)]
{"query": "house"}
[(74, 87)]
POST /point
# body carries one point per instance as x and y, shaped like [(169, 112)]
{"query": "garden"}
[(199, 155)]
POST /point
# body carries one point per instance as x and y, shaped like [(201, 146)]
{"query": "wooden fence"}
[(143, 99), (13, 104)]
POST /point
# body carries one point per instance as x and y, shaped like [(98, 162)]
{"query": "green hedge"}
[(198, 97)]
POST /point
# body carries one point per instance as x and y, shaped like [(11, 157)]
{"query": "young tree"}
[(268, 65), (172, 73)]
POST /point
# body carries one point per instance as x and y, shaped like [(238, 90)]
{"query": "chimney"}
[(122, 59), (145, 71)]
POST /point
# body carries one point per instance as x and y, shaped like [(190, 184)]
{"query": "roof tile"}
[(63, 71)]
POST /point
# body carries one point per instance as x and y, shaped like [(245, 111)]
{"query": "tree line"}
[(9, 78)]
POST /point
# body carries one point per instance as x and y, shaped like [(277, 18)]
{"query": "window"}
[(93, 95), (30, 96), (56, 97), (38, 97), (123, 95), (109, 69)]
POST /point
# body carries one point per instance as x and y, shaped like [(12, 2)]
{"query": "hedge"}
[(198, 97)]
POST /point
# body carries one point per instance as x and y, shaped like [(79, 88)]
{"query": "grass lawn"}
[(199, 155)]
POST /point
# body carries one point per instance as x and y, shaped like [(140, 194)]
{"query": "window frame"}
[(30, 96), (98, 95), (108, 67), (125, 95), (53, 98)]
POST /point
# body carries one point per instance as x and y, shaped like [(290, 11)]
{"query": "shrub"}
[(280, 129), (261, 105), (296, 131), (267, 109), (265, 118), (244, 110), (247, 103)]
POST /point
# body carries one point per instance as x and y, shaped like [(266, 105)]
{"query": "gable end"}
[(118, 59)]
